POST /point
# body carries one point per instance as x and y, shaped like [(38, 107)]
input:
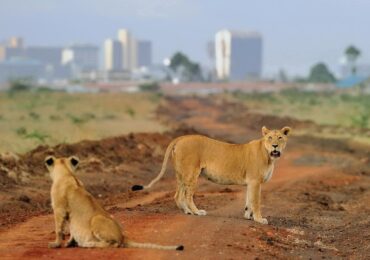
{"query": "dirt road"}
[(317, 202)]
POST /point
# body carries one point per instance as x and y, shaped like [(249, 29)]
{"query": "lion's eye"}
[(270, 138), (280, 138)]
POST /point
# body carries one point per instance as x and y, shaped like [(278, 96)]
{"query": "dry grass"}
[(332, 108), (30, 119), (341, 111)]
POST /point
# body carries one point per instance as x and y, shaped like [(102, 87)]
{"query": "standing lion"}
[(249, 164)]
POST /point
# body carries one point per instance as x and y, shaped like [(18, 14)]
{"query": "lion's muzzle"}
[(275, 154)]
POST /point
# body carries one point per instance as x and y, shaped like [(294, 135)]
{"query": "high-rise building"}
[(7, 53), (46, 63), (82, 57), (129, 56), (20, 68), (144, 53), (12, 48), (45, 55), (15, 42), (50, 58), (238, 55), (113, 56), (18, 60)]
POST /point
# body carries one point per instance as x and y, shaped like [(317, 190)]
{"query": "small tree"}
[(352, 54), (320, 74), (188, 70), (20, 85)]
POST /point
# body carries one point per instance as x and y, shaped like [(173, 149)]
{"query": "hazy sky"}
[(296, 33)]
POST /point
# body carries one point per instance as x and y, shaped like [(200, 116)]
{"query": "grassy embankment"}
[(342, 110), (28, 119)]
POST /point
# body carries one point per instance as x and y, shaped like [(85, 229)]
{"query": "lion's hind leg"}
[(189, 193), (190, 183), (106, 232), (187, 173), (180, 198)]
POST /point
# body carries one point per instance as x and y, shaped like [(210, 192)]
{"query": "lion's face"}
[(275, 140)]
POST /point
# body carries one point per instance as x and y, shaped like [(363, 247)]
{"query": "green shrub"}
[(131, 112), (81, 119), (18, 85), (55, 117), (37, 135), (34, 115), (149, 87), (21, 131), (362, 121)]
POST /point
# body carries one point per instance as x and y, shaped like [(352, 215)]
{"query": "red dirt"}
[(317, 202)]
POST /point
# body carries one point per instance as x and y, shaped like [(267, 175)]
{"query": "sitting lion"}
[(90, 225), (249, 164)]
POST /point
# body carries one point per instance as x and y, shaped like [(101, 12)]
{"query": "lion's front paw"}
[(262, 221), (248, 214), (54, 244), (201, 212)]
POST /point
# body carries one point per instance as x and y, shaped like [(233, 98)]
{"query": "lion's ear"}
[(265, 130), (74, 162), (49, 162), (286, 130)]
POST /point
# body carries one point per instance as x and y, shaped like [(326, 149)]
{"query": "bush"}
[(81, 119), (131, 112), (21, 131), (41, 137), (362, 121), (20, 85), (149, 87)]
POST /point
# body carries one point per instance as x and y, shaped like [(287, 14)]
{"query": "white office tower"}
[(129, 59), (238, 55), (113, 55)]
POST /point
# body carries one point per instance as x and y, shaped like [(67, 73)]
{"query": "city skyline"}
[(297, 33)]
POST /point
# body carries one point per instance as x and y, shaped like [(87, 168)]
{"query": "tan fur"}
[(90, 225), (249, 164)]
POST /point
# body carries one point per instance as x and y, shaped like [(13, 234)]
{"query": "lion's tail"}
[(129, 243), (163, 170)]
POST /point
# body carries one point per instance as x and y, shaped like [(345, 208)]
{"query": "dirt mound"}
[(108, 167), (254, 121), (109, 152)]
